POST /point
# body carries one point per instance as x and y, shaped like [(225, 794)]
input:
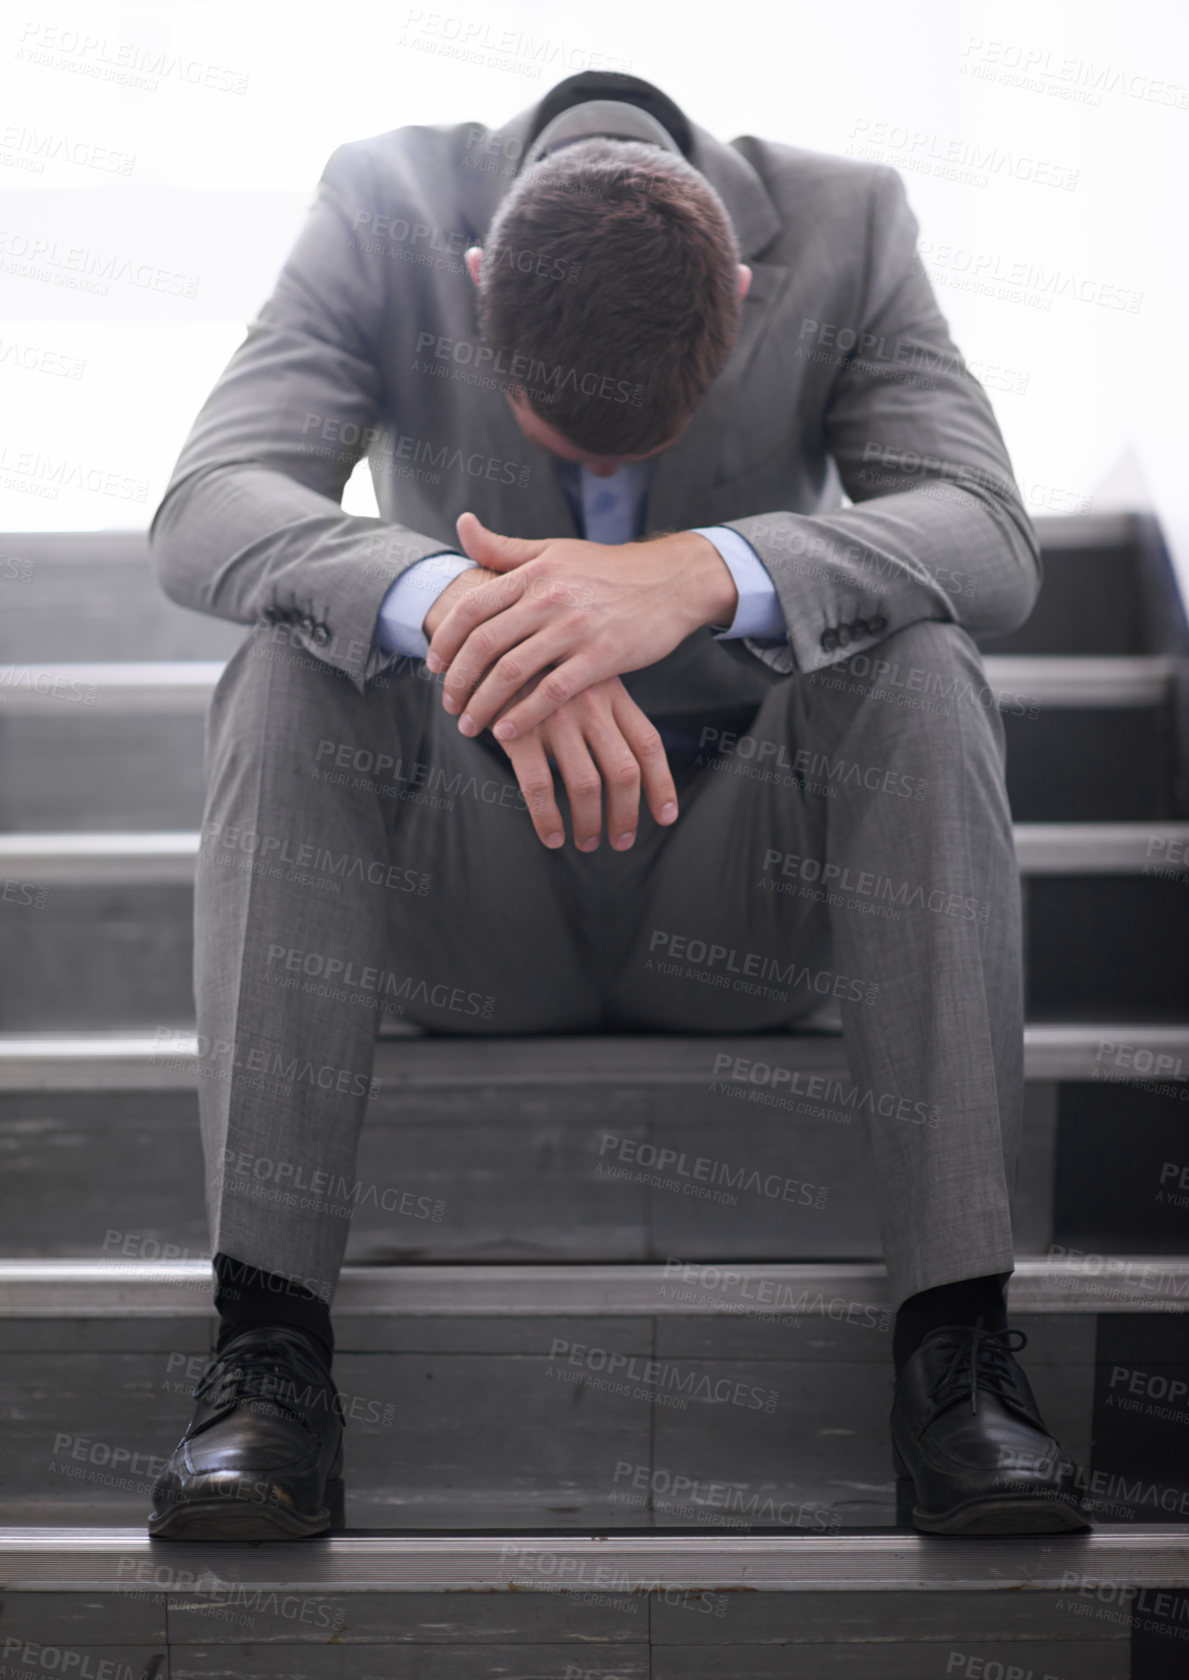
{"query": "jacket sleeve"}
[(938, 528), (251, 526)]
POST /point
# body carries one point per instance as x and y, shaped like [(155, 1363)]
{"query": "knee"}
[(930, 684), (275, 697)]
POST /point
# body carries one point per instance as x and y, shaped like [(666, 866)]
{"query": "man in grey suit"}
[(611, 376)]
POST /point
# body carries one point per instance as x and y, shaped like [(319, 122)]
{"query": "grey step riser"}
[(1095, 943), (472, 1424), (677, 1635), (143, 772), (89, 958), (538, 1174), (1091, 601)]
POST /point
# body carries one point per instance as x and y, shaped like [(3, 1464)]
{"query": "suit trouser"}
[(854, 846)]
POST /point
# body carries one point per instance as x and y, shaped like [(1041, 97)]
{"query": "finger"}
[(475, 607), (524, 658), (571, 676), (620, 770), (648, 750), (584, 785), (492, 549), (531, 768), (496, 643)]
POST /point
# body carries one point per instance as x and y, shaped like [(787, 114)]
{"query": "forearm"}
[(847, 579)]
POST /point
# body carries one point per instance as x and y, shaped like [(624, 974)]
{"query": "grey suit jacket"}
[(844, 373)]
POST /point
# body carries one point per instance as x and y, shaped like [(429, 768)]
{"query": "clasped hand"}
[(536, 651)]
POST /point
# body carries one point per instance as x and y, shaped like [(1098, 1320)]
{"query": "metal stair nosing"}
[(183, 687), (168, 857), (167, 1060), (116, 1288), (95, 1560)]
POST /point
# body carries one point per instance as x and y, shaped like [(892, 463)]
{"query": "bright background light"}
[(220, 175)]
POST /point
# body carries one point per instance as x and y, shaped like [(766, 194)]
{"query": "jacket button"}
[(877, 625), (321, 635), (829, 640)]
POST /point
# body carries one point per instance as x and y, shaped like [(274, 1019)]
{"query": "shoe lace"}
[(981, 1359), (271, 1369)]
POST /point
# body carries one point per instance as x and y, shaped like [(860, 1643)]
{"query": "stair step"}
[(479, 1397), (538, 1606), (583, 1149), (100, 925), (121, 745)]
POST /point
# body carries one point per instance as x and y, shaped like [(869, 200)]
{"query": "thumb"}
[(490, 549)]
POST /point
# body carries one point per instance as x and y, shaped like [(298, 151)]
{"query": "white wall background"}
[(1060, 253)]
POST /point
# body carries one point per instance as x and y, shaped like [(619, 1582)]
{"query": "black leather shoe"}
[(263, 1456), (970, 1444)]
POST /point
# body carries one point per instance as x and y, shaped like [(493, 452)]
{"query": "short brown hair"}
[(630, 307)]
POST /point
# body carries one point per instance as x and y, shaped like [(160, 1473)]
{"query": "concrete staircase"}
[(597, 1426)]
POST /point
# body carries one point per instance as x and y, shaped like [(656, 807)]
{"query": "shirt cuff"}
[(759, 612), (403, 609)]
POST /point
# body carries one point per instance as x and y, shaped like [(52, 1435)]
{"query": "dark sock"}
[(949, 1303), (247, 1297)]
